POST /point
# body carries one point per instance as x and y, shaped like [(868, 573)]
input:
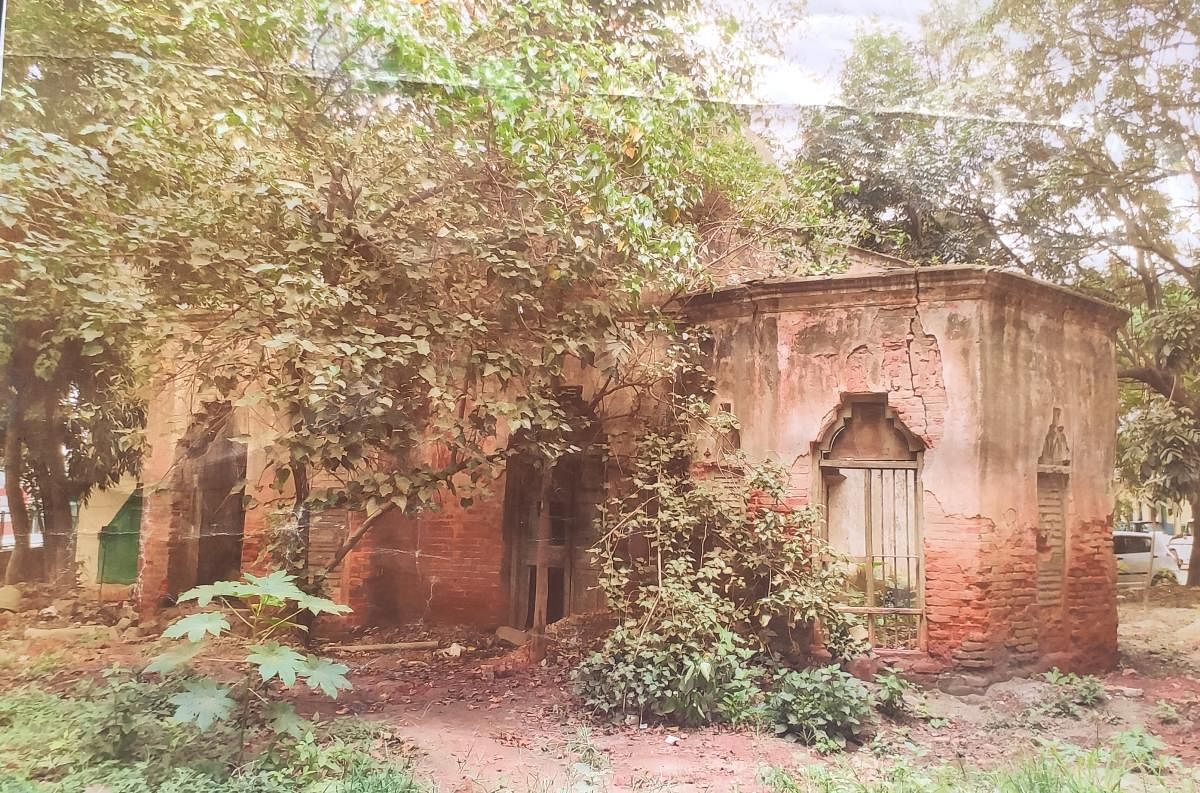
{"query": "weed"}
[(821, 707), (586, 752), (894, 742), (1142, 751), (891, 695), (1072, 692), (1165, 712)]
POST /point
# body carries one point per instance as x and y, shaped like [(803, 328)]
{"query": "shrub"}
[(267, 607), (892, 695), (821, 707), (670, 677), (712, 580)]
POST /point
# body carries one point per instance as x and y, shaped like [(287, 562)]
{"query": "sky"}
[(806, 70)]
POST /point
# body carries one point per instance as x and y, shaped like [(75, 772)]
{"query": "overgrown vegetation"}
[(822, 707), (119, 734), (266, 609), (360, 217), (1059, 769), (716, 583)]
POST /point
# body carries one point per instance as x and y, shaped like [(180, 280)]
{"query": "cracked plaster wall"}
[(976, 374)]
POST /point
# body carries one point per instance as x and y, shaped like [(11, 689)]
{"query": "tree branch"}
[(1165, 383)]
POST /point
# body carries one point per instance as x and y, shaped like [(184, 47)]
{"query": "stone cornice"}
[(903, 286)]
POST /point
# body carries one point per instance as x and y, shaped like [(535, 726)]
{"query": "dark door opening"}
[(221, 520), (208, 516), (573, 495)]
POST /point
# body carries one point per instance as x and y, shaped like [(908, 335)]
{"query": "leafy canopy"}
[(393, 230)]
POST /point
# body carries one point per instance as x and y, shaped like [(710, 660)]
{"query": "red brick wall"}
[(1091, 598), (444, 565)]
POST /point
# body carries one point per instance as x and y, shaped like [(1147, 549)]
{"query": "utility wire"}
[(472, 85)]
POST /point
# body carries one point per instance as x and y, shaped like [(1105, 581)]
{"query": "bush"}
[(712, 582), (820, 707), (892, 696), (670, 677)]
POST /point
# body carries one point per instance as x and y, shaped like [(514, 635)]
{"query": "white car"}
[(1132, 549), (1181, 548)]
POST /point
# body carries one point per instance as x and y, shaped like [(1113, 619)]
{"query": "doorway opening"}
[(555, 554), (870, 468), (208, 509), (575, 491)]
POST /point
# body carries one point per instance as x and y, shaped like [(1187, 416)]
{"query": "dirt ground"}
[(473, 732)]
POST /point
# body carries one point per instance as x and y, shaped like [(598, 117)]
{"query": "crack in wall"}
[(916, 330)]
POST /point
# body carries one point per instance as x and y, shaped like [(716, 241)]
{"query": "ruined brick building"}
[(955, 423)]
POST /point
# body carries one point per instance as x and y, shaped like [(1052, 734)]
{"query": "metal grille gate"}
[(889, 580)]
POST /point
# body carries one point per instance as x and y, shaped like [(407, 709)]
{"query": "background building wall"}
[(974, 363), (94, 514)]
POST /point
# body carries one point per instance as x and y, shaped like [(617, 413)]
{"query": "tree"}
[(398, 229), (70, 337), (922, 169), (1090, 178)]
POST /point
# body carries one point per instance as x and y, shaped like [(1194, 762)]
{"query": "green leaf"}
[(318, 605), (282, 719), (202, 703), (195, 626), (275, 660), (328, 676), (206, 593), (174, 658), (278, 584)]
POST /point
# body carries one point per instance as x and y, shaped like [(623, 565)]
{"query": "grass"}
[(29, 668), (118, 737), (1063, 769)]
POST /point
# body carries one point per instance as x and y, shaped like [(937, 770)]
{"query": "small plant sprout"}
[(266, 608), (1165, 712), (1072, 692)]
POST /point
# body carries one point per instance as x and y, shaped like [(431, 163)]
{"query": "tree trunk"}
[(58, 528), (296, 557), (18, 562), (1193, 576), (541, 590)]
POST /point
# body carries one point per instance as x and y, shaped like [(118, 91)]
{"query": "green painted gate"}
[(118, 560)]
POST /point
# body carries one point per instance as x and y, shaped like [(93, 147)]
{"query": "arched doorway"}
[(870, 474)]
